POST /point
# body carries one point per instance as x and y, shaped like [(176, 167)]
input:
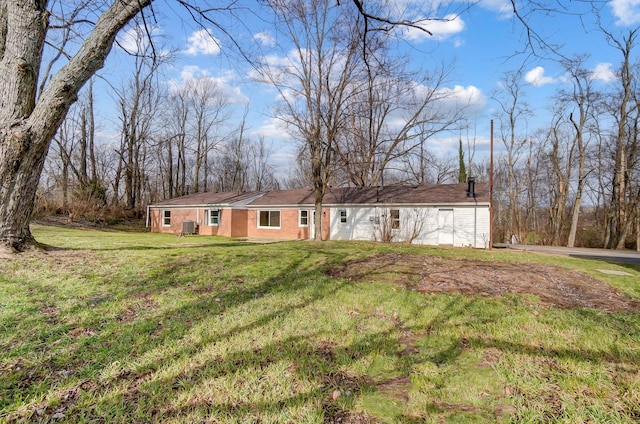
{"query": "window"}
[(343, 216), (269, 219), (166, 218), (395, 218), (303, 218), (214, 217)]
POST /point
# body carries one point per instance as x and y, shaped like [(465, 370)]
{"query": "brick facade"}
[(239, 223)]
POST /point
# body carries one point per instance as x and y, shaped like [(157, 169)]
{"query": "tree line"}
[(571, 182), (358, 115)]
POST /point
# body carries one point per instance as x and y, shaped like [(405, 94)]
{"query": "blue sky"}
[(481, 42)]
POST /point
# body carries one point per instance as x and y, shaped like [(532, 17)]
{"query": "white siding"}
[(357, 227), (470, 224)]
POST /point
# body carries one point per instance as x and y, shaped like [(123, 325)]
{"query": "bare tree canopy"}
[(29, 118), (357, 115)]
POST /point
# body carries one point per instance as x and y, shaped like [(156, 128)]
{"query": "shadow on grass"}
[(104, 364), (52, 248), (123, 371)]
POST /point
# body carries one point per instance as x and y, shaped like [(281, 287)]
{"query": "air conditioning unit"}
[(188, 227)]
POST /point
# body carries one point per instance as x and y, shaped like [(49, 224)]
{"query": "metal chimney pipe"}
[(471, 187)]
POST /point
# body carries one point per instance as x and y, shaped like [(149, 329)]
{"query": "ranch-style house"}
[(439, 214)]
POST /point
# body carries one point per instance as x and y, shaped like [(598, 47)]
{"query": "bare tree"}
[(560, 167), (584, 100), (209, 110), (174, 144), (29, 119), (72, 162), (27, 123), (625, 112), (421, 166), (261, 172), (138, 101), (513, 116), (315, 83), (390, 118)]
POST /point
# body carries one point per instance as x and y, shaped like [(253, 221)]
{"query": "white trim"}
[(163, 217), (300, 218), (207, 217), (346, 216), (368, 205), (270, 227)]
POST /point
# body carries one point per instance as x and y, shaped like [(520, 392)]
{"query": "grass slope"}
[(134, 328)]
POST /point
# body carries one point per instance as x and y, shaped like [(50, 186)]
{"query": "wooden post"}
[(491, 191)]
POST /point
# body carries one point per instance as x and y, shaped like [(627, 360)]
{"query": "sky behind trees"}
[(478, 43)]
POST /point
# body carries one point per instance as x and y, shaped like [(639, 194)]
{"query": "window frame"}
[(394, 218), (166, 217), (342, 216), (301, 217), (210, 217), (269, 212)]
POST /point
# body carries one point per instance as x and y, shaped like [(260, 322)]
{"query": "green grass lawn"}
[(115, 327)]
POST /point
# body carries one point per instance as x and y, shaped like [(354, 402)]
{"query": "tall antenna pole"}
[(491, 191)]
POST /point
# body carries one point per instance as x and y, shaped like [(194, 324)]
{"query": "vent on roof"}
[(188, 227)]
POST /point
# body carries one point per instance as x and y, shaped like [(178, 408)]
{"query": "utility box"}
[(188, 227)]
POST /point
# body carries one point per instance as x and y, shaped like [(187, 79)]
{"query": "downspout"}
[(146, 221)]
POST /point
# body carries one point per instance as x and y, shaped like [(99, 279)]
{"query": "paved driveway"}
[(628, 256)]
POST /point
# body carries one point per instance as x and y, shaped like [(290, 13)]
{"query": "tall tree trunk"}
[(617, 217), (575, 212), (26, 126), (92, 134)]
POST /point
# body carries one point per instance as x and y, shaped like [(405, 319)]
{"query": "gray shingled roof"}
[(204, 199), (396, 194)]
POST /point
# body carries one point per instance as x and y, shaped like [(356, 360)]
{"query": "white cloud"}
[(445, 103), (446, 147), (603, 72), (503, 7), (465, 95), (129, 40), (469, 98), (194, 76), (191, 72), (265, 39), (272, 128), (136, 39), (440, 28), (278, 70), (537, 78), (202, 42), (627, 12)]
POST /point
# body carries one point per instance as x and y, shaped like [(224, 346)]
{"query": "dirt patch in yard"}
[(552, 285)]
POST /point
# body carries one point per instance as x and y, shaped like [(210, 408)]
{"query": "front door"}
[(312, 225)]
